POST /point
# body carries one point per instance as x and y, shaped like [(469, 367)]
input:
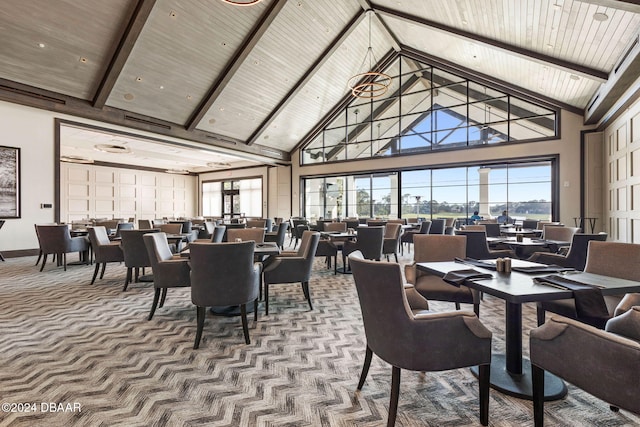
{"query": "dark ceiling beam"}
[(125, 46), (30, 96), (387, 60), (235, 63), (308, 75), (627, 5), (587, 72), (486, 80), (395, 43)]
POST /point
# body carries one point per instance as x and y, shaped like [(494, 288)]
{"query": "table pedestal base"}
[(520, 386)]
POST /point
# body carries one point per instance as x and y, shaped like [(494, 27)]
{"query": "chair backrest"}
[(217, 236), (370, 241), (335, 226), (144, 224), (449, 222), (174, 228), (577, 255), (157, 247), (383, 303), (614, 259), (376, 222), (123, 226), (564, 234), (256, 223), (530, 223), (307, 250), (223, 274), (542, 224), (437, 226), (246, 234), (473, 227), (208, 228), (186, 226), (401, 221), (392, 230), (352, 223), (110, 225), (492, 229), (98, 236), (134, 248), (54, 239), (425, 227), (477, 247), (412, 220), (430, 247)]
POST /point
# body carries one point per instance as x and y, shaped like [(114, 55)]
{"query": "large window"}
[(524, 189), (428, 109), (240, 197)]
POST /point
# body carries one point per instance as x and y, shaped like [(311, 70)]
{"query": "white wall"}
[(567, 148)]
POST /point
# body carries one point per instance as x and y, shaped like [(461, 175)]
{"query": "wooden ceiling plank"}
[(627, 5), (525, 53), (122, 52), (308, 75), (227, 74)]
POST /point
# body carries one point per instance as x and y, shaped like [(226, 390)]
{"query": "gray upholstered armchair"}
[(292, 267), (602, 363), (433, 248), (136, 256), (478, 248), (224, 274), (576, 257), (427, 341), (169, 271), (104, 250), (57, 240)]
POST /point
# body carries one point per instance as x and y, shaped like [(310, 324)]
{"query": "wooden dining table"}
[(510, 372)]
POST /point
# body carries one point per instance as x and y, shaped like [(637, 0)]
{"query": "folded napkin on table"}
[(458, 277)]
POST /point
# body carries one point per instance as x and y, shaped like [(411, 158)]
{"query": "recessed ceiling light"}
[(189, 97), (212, 121), (160, 87), (138, 79), (223, 43), (549, 46), (129, 96), (221, 108), (266, 137), (41, 45), (178, 171), (173, 14), (256, 62), (600, 17), (464, 22), (219, 165), (83, 59), (574, 77), (112, 148)]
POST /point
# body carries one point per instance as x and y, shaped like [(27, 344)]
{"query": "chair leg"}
[(95, 273), (266, 299), (255, 310), (64, 261), (44, 261), (484, 372), (538, 395), (156, 297), (104, 265), (395, 394), (39, 257), (457, 306), (200, 313), (137, 274), (395, 254), (476, 309), (127, 280), (164, 297), (365, 367), (307, 294), (614, 408), (245, 326), (540, 314)]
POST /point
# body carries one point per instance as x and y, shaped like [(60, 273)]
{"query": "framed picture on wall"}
[(9, 182)]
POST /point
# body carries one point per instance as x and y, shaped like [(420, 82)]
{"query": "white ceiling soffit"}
[(81, 142)]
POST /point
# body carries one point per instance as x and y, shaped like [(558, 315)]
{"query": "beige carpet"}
[(64, 341)]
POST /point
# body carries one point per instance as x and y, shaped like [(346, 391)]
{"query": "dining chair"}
[(614, 259), (169, 271), (492, 229), (407, 236), (123, 226), (144, 224), (602, 363), (478, 248), (298, 227), (277, 236), (437, 226), (436, 248), (328, 248), (256, 223), (292, 267), (575, 258), (104, 250), (530, 224), (560, 233), (224, 274), (426, 342), (218, 234), (369, 241), (136, 256), (57, 240), (391, 240), (246, 234)]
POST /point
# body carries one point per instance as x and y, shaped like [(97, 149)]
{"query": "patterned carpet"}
[(67, 342)]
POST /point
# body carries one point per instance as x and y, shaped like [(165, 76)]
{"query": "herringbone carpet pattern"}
[(66, 341)]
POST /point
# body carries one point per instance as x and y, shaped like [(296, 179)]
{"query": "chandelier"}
[(242, 2), (369, 83)]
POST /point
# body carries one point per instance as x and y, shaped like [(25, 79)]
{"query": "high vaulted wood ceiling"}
[(259, 79)]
